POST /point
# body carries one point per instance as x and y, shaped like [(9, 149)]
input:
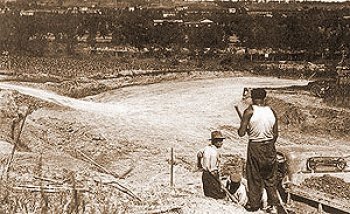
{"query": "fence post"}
[(171, 167)]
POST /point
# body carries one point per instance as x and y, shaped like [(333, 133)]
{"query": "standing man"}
[(208, 160), (259, 121)]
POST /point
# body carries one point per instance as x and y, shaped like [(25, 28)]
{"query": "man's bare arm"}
[(199, 159), (275, 127), (245, 121)]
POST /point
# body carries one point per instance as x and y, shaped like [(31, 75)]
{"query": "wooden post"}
[(15, 142), (320, 209), (289, 198), (171, 167)]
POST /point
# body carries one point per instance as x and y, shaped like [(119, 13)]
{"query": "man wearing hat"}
[(208, 160), (259, 121)]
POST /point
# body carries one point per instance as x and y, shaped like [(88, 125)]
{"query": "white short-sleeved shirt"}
[(261, 124), (210, 160), (241, 193)]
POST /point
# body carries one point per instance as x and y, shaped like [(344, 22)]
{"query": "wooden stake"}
[(320, 208), (171, 167), (281, 202), (15, 143), (289, 198), (233, 199)]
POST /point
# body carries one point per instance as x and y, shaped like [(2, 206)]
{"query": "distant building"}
[(202, 23), (181, 8), (27, 13), (232, 10), (168, 14), (157, 22)]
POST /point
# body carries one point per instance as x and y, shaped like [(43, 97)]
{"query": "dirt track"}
[(137, 126)]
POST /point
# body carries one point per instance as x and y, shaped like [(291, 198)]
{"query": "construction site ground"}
[(131, 130)]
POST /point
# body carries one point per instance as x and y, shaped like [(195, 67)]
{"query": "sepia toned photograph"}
[(174, 106)]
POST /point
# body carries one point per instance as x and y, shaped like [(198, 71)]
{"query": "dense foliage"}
[(315, 31)]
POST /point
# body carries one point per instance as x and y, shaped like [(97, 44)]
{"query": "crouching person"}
[(208, 160), (237, 186)]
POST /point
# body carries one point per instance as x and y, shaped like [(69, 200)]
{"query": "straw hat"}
[(217, 135)]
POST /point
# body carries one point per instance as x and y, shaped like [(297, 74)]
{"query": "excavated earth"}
[(336, 187), (77, 144)]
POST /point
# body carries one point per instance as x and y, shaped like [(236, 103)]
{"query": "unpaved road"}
[(169, 113), (178, 108), (155, 118)]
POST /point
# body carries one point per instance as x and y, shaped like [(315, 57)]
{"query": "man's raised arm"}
[(245, 121)]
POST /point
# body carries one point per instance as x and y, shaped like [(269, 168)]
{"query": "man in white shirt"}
[(259, 121), (208, 160)]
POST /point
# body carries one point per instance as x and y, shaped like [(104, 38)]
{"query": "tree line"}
[(317, 32)]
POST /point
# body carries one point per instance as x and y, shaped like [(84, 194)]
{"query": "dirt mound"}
[(232, 164), (79, 87), (337, 187), (297, 112), (328, 120), (288, 114), (83, 86)]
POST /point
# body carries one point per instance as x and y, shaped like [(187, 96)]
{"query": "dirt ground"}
[(131, 131)]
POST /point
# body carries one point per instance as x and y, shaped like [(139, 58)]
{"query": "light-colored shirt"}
[(261, 124), (210, 158), (241, 193)]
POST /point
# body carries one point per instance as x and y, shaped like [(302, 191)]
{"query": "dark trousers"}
[(211, 186), (261, 172)]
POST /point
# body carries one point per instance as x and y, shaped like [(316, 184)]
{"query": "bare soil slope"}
[(131, 131)]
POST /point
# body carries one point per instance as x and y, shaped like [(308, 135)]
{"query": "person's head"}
[(235, 177), (258, 95), (217, 138), (234, 182)]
